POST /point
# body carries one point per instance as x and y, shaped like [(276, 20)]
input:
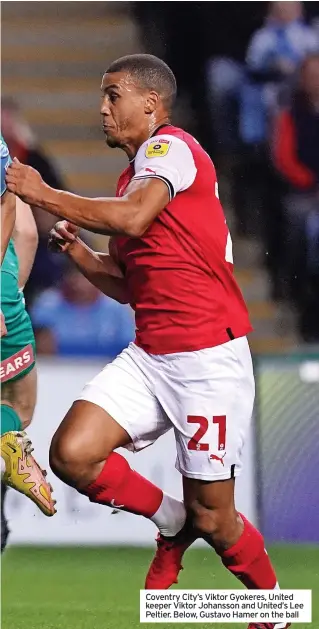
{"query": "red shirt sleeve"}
[(285, 154)]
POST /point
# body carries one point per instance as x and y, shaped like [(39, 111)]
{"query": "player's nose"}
[(105, 107)]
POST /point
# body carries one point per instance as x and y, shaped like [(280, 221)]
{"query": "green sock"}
[(9, 419)]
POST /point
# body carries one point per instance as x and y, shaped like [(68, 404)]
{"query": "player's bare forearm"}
[(129, 215), (26, 240), (100, 270), (8, 216), (99, 215)]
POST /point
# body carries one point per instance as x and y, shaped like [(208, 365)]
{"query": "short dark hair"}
[(151, 73)]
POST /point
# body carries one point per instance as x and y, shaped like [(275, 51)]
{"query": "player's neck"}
[(132, 147)]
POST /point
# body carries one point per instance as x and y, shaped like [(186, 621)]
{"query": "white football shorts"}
[(206, 396)]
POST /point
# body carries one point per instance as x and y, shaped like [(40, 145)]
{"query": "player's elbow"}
[(135, 230), (135, 227)]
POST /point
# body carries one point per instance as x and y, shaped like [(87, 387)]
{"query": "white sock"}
[(170, 516), (3, 466)]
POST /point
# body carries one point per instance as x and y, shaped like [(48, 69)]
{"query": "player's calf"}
[(220, 527), (238, 543)]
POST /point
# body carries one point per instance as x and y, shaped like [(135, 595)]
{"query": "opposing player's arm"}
[(25, 236), (8, 216)]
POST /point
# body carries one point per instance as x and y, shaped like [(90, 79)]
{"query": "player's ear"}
[(151, 102)]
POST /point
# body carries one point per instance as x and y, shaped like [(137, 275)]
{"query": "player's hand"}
[(25, 182), (62, 236), (3, 325)]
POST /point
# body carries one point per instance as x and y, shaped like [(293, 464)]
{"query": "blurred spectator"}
[(278, 47), (77, 320), (296, 156), (248, 89), (22, 144), (225, 69), (273, 56)]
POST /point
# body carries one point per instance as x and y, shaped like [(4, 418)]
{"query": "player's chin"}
[(112, 141)]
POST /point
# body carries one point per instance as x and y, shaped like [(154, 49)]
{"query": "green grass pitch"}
[(98, 588)]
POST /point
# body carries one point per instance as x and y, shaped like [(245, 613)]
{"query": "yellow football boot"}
[(23, 473)]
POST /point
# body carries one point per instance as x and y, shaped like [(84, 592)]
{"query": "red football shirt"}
[(180, 272)]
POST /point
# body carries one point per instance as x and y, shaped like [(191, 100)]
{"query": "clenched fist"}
[(25, 182), (62, 236)]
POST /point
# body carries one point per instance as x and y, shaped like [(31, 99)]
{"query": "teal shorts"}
[(18, 353)]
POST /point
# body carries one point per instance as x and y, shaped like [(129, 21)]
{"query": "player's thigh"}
[(209, 398), (116, 408)]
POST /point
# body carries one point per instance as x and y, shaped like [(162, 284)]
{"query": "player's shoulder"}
[(166, 139)]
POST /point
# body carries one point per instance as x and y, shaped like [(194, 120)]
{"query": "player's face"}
[(122, 109)]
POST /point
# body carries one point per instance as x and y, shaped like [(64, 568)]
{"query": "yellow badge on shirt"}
[(158, 148)]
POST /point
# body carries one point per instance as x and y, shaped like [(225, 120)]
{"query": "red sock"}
[(248, 560), (119, 485)]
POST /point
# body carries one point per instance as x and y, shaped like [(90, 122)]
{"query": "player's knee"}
[(213, 522), (71, 460), (67, 456)]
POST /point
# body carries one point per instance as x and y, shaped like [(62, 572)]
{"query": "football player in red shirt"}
[(190, 366)]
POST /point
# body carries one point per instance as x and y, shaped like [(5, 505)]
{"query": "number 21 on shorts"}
[(196, 443)]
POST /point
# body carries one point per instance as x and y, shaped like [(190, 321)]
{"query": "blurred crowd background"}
[(248, 89)]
